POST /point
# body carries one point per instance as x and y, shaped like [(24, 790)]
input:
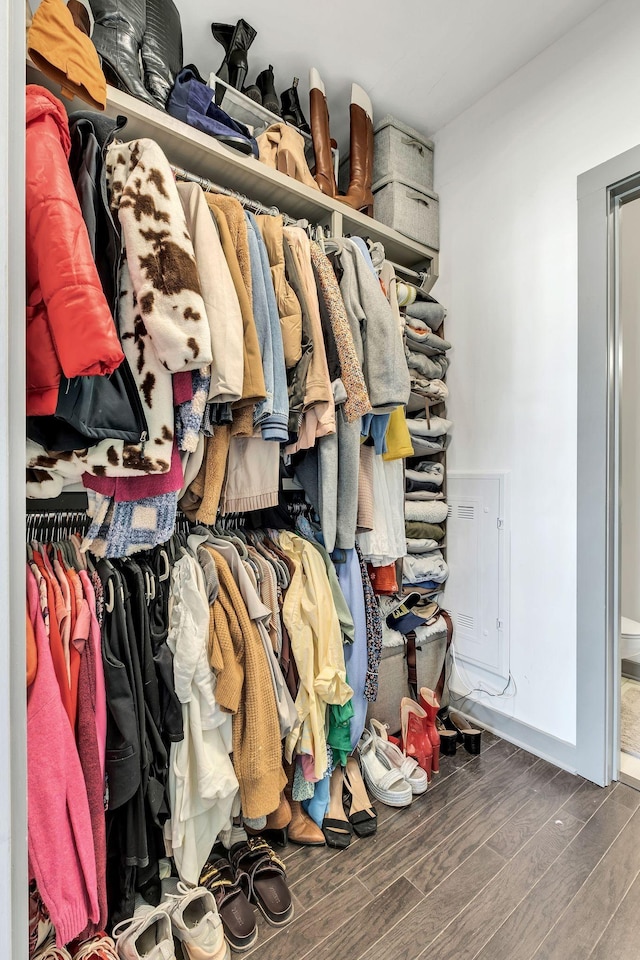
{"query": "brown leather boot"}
[(302, 829), (324, 173), (359, 195), (276, 828)]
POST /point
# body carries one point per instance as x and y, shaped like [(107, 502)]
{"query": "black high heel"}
[(236, 41), (448, 739), (469, 737), (291, 109), (266, 84)]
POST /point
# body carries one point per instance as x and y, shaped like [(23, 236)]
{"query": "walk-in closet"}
[(298, 660)]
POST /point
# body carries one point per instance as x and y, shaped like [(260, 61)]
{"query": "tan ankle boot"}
[(302, 829)]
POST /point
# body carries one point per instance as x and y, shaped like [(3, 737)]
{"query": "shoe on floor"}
[(195, 921), (100, 947), (146, 935)]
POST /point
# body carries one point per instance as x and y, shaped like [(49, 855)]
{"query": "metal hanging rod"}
[(254, 205), (420, 279)]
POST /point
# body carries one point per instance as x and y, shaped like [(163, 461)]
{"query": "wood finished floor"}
[(505, 857)]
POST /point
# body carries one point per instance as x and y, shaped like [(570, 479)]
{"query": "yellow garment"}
[(398, 437), (311, 620), (65, 54)]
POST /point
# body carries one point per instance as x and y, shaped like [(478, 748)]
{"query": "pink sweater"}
[(61, 851)]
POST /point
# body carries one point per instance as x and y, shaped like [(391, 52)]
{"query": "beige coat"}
[(253, 381), (219, 295)]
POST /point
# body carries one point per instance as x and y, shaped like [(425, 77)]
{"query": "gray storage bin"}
[(408, 208), (402, 153), (393, 684)]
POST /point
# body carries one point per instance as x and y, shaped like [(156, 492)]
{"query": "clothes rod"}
[(422, 277), (254, 205)]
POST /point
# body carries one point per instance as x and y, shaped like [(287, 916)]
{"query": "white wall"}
[(630, 419), (506, 172)]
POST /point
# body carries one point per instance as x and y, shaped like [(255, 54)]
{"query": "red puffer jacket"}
[(70, 329)]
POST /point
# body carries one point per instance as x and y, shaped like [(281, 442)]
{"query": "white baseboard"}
[(544, 745)]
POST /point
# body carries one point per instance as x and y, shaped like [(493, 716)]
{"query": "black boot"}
[(267, 89), (236, 42), (161, 49), (253, 92), (291, 109), (117, 36)]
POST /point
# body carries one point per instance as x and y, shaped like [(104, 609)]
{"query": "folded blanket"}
[(415, 530), (420, 479), (427, 470), (424, 341), (426, 446), (434, 427), (431, 368), (419, 400), (426, 511), (427, 566), (429, 311), (433, 389), (424, 495), (421, 545)]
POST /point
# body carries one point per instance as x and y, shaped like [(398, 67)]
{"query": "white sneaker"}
[(195, 920), (147, 934)]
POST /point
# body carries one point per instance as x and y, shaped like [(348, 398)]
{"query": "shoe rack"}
[(203, 155)]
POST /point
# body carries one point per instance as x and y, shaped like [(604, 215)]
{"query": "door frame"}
[(601, 193), (13, 708)]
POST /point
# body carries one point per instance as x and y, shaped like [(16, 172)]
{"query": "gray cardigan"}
[(377, 339)]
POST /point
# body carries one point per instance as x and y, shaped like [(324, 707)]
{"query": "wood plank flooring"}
[(505, 857)]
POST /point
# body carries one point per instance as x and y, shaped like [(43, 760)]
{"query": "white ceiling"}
[(424, 61)]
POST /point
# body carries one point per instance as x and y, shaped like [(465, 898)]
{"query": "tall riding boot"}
[(359, 194), (236, 42), (324, 173), (162, 49), (291, 109), (117, 36)]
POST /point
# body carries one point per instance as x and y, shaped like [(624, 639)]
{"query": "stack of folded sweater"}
[(426, 351), (424, 567)]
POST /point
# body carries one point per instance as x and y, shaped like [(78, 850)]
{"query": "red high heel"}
[(430, 705), (415, 736)]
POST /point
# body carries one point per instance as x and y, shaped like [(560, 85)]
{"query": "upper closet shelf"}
[(202, 155)]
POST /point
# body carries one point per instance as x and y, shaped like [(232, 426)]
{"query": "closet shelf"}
[(202, 155)]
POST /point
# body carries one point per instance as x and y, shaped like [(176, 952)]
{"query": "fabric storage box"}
[(393, 684), (408, 208), (400, 152)]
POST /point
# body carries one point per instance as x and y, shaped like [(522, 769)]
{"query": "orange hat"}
[(65, 54)]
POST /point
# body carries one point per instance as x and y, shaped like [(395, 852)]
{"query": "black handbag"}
[(91, 409)]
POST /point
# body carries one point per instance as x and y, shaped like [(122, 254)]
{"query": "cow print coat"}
[(161, 315)]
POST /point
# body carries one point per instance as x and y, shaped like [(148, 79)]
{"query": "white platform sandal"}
[(410, 769), (385, 782)]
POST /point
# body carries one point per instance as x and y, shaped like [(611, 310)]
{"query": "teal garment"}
[(304, 528), (339, 730), (318, 805)]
